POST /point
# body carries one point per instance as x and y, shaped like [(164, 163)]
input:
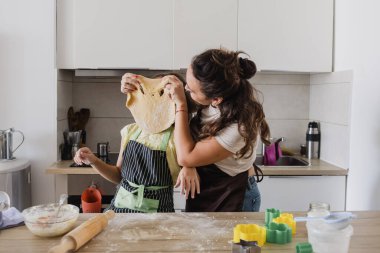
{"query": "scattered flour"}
[(191, 231)]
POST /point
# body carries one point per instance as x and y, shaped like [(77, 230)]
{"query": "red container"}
[(91, 200)]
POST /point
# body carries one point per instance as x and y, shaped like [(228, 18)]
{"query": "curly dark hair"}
[(225, 74)]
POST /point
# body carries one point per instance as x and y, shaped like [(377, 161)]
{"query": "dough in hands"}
[(151, 106)]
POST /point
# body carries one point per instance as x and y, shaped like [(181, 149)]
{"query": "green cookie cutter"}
[(279, 233), (270, 214), (288, 219), (304, 247)]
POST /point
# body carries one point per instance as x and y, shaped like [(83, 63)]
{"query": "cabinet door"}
[(287, 35), (294, 193), (119, 33), (201, 25)]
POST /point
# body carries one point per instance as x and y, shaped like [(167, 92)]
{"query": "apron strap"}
[(136, 134), (259, 173), (140, 191), (165, 139)]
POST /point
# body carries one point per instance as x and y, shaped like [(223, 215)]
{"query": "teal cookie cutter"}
[(304, 247), (270, 214), (279, 233)]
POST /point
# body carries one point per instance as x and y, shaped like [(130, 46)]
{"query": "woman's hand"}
[(84, 155), (188, 179), (129, 83), (176, 90)]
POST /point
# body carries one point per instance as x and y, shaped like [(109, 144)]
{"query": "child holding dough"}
[(147, 166)]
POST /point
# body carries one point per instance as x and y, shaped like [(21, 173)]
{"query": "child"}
[(147, 166)]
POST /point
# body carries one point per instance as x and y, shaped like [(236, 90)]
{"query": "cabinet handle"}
[(29, 178)]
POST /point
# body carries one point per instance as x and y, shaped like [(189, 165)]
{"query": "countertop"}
[(317, 168), (185, 232)]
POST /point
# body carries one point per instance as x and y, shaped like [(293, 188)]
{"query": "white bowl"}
[(42, 221)]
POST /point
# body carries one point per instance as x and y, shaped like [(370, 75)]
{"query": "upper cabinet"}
[(200, 25), (280, 35), (115, 34), (287, 35)]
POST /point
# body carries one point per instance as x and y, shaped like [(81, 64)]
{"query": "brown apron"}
[(220, 192)]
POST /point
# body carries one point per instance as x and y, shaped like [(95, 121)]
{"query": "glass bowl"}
[(42, 221)]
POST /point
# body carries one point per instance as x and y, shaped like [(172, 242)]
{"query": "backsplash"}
[(286, 106), (289, 103), (330, 100)]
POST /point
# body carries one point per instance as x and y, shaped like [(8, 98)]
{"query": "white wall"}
[(357, 48), (28, 85)]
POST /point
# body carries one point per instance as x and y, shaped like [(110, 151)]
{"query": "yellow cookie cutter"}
[(288, 219), (249, 233)]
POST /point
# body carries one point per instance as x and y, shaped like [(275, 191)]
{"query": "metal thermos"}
[(313, 140)]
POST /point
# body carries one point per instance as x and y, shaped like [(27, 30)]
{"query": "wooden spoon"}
[(84, 115), (75, 121), (70, 116)]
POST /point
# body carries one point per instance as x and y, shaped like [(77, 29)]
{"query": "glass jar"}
[(318, 209), (323, 237)]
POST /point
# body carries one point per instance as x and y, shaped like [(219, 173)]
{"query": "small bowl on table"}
[(43, 220)]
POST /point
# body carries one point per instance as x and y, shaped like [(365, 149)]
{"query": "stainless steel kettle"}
[(6, 143)]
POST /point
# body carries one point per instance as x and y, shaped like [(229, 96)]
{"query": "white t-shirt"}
[(230, 139)]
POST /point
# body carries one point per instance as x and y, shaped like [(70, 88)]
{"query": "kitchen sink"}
[(283, 161)]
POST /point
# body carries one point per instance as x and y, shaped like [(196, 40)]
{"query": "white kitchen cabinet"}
[(201, 25), (94, 34), (287, 35), (279, 35), (294, 193)]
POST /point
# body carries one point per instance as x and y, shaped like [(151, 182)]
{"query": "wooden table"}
[(185, 232)]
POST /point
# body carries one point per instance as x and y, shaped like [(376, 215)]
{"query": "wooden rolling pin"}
[(83, 233)]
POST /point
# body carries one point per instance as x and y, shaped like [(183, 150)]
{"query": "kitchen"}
[(29, 75)]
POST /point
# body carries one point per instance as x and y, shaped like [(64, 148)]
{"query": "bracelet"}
[(180, 110)]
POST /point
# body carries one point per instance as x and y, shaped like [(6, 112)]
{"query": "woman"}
[(222, 138)]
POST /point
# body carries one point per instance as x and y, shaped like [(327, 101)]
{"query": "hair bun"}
[(247, 68)]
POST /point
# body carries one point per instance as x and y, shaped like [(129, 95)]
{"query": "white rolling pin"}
[(83, 233)]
